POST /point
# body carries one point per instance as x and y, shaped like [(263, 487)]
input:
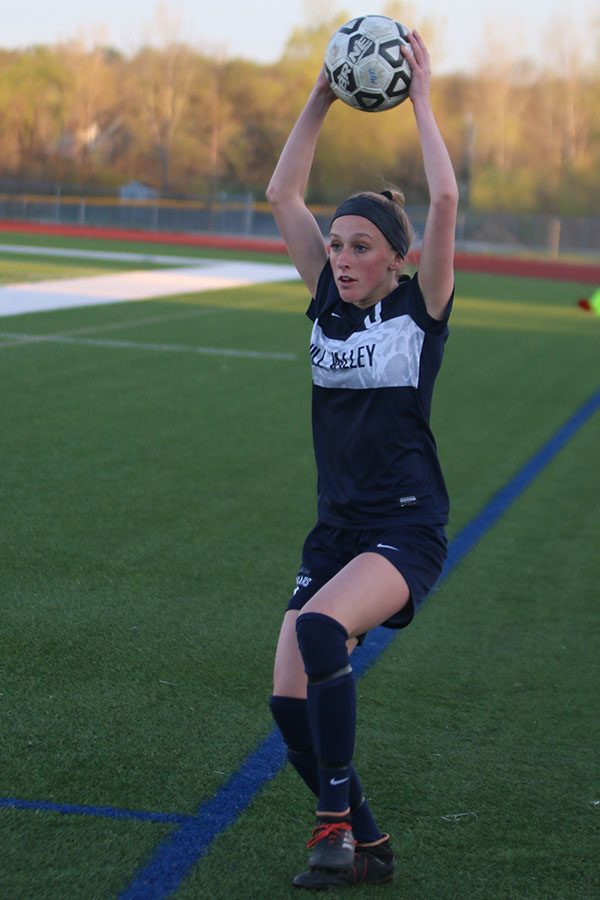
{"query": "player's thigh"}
[(364, 594)]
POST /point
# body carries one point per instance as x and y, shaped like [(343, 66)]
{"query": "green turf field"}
[(153, 506), (24, 264)]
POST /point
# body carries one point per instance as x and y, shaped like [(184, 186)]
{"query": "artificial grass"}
[(154, 508), (478, 735), (118, 520), (48, 855)]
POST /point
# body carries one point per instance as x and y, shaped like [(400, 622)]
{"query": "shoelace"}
[(327, 831)]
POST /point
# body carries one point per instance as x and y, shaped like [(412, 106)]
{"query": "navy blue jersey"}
[(373, 373)]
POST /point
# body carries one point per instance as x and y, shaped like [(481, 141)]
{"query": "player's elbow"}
[(447, 196), (444, 204), (281, 198), (277, 193), (272, 193)]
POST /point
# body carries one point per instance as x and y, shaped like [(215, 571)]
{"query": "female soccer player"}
[(379, 543)]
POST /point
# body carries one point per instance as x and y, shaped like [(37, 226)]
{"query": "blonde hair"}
[(394, 199)]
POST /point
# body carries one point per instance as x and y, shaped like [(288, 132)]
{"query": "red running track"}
[(465, 262)]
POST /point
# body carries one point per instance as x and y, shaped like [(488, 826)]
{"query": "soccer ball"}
[(365, 65)]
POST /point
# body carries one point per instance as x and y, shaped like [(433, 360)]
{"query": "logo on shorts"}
[(303, 581)]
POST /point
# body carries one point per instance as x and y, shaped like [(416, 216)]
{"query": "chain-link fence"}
[(242, 215)]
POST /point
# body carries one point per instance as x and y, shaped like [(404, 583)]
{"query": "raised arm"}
[(287, 187), (436, 263)]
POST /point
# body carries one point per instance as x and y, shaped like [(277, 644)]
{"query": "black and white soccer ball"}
[(365, 65)]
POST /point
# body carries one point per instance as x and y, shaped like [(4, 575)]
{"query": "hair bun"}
[(394, 195)]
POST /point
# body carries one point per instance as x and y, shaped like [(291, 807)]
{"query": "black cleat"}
[(332, 845), (373, 864)]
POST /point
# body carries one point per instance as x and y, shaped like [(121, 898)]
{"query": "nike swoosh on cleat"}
[(335, 781)]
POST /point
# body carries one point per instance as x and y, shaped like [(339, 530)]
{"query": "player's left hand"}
[(323, 87), (418, 57)]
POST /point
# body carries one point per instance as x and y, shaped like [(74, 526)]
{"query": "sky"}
[(258, 29)]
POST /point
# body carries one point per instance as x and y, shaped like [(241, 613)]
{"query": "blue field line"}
[(174, 858), (500, 502), (103, 812)]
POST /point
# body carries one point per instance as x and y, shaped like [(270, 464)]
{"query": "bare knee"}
[(289, 683)]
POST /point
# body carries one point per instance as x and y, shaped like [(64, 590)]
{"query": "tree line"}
[(523, 137)]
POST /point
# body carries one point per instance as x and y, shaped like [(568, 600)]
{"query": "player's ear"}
[(397, 262)]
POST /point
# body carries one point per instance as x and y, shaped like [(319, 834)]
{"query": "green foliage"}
[(33, 86), (191, 123), (513, 191)]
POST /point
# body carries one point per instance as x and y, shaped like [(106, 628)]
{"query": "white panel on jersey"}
[(388, 354)]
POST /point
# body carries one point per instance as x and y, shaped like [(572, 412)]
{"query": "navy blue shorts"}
[(417, 551)]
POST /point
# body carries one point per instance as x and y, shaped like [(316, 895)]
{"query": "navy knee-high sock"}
[(331, 705), (291, 716), (292, 720)]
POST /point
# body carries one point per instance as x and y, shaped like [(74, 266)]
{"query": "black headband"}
[(380, 214)]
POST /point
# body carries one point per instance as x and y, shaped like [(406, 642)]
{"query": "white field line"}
[(112, 255), (147, 320), (143, 285), (117, 326), (17, 338), (65, 293)]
